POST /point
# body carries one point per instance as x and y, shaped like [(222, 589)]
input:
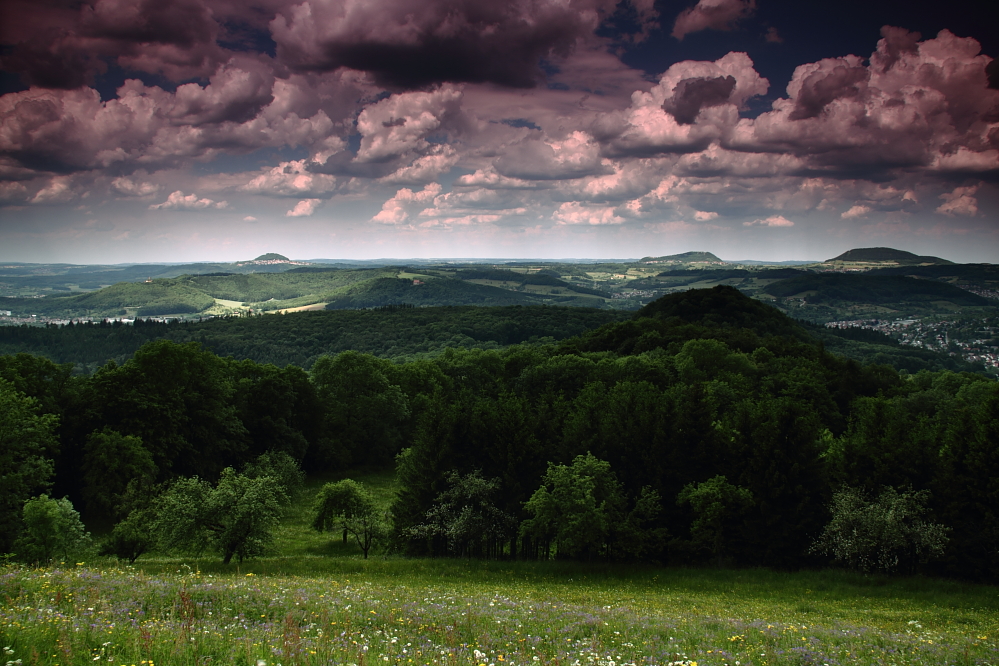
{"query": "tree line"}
[(302, 337), (707, 428)]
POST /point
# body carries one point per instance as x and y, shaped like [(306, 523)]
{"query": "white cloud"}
[(400, 123), (132, 188), (959, 202), (405, 203), (704, 216), (291, 179), (179, 201), (426, 168), (855, 211), (56, 191), (575, 213), (304, 208), (772, 221)]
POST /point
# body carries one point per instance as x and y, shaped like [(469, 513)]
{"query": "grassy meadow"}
[(315, 601)]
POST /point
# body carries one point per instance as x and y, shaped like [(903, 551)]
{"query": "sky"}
[(218, 130)]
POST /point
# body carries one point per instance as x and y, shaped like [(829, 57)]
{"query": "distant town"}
[(973, 340)]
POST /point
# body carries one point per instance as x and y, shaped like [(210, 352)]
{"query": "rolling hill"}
[(830, 288), (868, 255)]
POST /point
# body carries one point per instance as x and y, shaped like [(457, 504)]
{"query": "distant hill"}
[(884, 254), (722, 307), (433, 292), (272, 256), (686, 257), (873, 289)]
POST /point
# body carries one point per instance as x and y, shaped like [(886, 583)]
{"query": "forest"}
[(705, 428)]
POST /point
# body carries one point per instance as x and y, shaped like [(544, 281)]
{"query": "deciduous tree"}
[(235, 518), (27, 444), (348, 506)]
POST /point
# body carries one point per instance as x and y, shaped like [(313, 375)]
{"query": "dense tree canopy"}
[(707, 428)]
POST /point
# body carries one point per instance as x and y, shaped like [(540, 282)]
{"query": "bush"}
[(52, 529), (885, 535)]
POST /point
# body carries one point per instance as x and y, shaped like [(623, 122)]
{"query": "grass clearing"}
[(321, 610)]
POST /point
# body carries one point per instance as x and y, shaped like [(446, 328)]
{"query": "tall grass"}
[(350, 611)]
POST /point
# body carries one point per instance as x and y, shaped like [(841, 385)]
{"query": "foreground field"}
[(324, 610)]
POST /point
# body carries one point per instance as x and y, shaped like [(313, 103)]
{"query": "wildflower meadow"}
[(432, 612)]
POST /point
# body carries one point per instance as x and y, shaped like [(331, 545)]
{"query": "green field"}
[(317, 602)]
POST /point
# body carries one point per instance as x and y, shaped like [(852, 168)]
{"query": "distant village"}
[(974, 343)]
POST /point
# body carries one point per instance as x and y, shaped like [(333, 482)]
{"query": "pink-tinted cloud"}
[(574, 213), (304, 208), (712, 15), (241, 109), (400, 124), (959, 202), (575, 156), (180, 201), (855, 211), (130, 187), (291, 179), (406, 203), (917, 105), (772, 221), (58, 190), (694, 104)]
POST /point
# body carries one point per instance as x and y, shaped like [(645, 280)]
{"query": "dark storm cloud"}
[(64, 48), (413, 43), (820, 88), (692, 95), (54, 59)]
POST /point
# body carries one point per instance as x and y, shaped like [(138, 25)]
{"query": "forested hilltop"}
[(707, 428)]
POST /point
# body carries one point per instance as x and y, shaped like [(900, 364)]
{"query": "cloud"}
[(304, 208), (704, 216), (64, 45), (291, 179), (915, 105), (400, 123), (427, 168), (855, 211), (249, 218), (694, 104), (405, 203), (575, 213), (412, 44), (72, 130), (488, 178), (691, 95), (713, 15), (179, 201), (959, 202), (11, 192), (56, 191), (130, 188), (772, 221), (575, 156)]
